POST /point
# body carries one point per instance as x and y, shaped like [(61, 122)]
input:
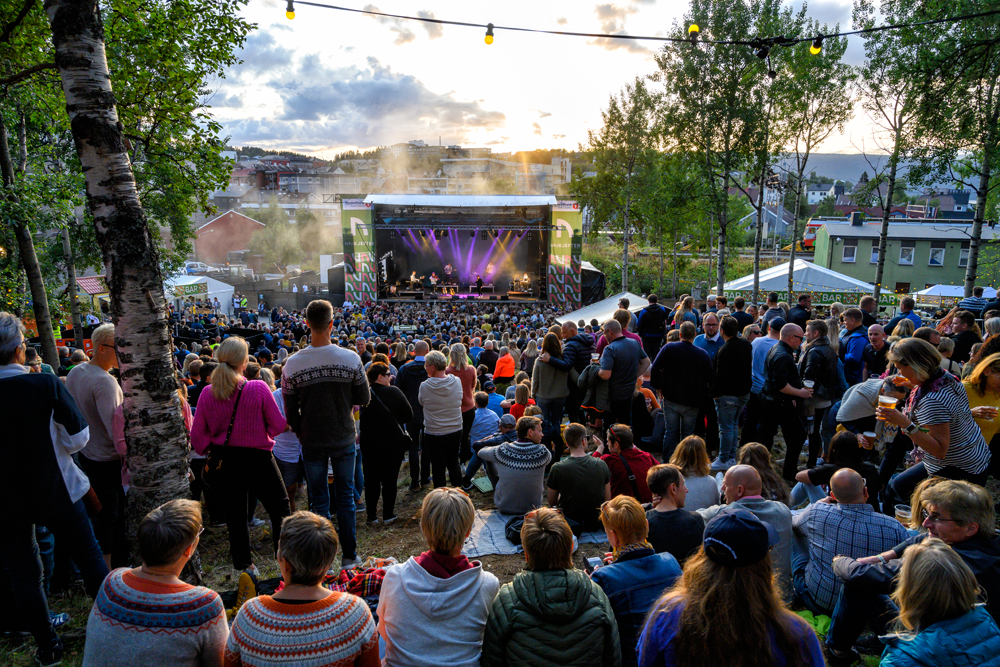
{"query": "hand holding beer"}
[(885, 405), (985, 412)]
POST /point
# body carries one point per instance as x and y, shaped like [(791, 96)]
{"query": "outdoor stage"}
[(405, 248)]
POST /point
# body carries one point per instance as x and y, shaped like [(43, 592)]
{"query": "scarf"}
[(629, 548), (937, 382)]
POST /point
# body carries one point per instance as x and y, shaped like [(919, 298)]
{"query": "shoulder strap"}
[(384, 407), (631, 476), (232, 420)]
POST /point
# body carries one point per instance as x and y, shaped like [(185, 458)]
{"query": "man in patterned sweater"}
[(319, 386), (521, 468)]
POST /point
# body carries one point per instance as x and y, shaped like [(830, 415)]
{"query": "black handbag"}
[(405, 441), (211, 475)]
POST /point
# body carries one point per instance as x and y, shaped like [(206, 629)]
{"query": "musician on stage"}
[(448, 270), (479, 284), (490, 270), (524, 279), (434, 279)]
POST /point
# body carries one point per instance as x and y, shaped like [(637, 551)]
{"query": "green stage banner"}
[(359, 241), (818, 298), (565, 246)]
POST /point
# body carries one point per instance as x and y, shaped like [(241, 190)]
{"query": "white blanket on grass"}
[(487, 536)]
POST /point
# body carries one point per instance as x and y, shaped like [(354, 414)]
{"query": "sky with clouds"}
[(330, 81)]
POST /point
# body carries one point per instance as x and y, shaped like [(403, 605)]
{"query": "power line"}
[(756, 43)]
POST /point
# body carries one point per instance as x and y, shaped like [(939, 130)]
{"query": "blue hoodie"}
[(971, 640)]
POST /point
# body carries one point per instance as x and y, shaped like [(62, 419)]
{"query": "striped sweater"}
[(336, 631), (136, 622)]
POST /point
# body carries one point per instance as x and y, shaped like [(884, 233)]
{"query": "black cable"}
[(773, 41)]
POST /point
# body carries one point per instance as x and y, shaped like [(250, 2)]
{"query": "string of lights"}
[(761, 45)]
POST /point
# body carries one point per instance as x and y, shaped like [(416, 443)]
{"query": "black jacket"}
[(780, 370), (378, 432), (576, 353), (867, 319), (652, 321), (799, 315), (963, 345), (408, 379), (683, 372), (489, 359), (733, 368), (819, 363)]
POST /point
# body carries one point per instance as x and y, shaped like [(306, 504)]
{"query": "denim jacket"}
[(633, 584)]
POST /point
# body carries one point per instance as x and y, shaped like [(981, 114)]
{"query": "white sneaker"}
[(254, 522), (718, 465), (348, 563)]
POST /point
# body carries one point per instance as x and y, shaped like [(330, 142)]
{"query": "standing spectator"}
[(441, 397), (288, 455), (49, 492), (633, 323), (818, 364), (874, 357), (727, 585), (868, 306), (529, 357), (241, 416), (382, 442), (773, 311), (947, 348), (520, 468), (965, 335), (320, 386), (975, 303), (577, 350), (652, 326), (146, 615), (672, 528), (408, 379), (682, 372), (304, 623), (852, 346), (488, 357), (622, 317), (755, 406), (579, 484), (551, 613), (627, 463), (742, 488), (622, 362), (731, 384), (636, 575), (711, 340), (711, 304), (685, 312), (550, 389), (848, 527), (692, 458), (801, 312), (781, 384), (458, 365), (905, 313), (433, 608), (937, 419), (742, 318), (98, 395)]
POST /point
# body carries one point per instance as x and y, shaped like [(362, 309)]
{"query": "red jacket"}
[(639, 462)]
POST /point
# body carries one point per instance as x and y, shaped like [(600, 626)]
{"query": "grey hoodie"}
[(441, 399), (430, 621)]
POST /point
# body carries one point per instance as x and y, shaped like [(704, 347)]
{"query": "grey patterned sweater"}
[(320, 387), (521, 471)]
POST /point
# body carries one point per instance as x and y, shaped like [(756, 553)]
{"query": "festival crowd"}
[(867, 528)]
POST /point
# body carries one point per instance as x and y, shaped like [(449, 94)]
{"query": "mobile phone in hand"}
[(593, 563)]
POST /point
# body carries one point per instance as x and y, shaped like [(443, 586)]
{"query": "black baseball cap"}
[(736, 537)]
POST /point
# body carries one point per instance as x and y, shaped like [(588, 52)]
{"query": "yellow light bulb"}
[(815, 50), (489, 39), (289, 15), (692, 28)]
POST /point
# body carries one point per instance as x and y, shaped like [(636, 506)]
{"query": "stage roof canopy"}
[(461, 201), (603, 310)]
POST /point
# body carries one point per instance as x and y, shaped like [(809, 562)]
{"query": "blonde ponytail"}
[(231, 353)]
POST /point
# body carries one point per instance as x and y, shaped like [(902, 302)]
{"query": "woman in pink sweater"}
[(246, 407)]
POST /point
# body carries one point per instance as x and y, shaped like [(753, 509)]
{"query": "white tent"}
[(603, 310), (178, 288), (954, 292), (825, 285)]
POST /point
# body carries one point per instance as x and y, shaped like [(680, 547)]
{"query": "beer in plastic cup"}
[(870, 437), (808, 384), (594, 357), (992, 413), (887, 402), (904, 514)]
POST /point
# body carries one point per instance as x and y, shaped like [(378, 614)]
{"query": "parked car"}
[(195, 268)]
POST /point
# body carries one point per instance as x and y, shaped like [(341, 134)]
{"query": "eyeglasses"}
[(936, 518)]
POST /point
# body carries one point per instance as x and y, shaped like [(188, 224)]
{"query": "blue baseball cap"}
[(736, 537)]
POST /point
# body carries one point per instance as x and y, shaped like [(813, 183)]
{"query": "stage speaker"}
[(503, 297), (493, 297), (420, 297)]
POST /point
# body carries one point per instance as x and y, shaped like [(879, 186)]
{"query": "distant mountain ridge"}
[(850, 166)]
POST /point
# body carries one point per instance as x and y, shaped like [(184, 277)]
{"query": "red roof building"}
[(230, 231)]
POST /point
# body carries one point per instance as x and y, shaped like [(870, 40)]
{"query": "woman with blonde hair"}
[(758, 457), (399, 356), (940, 622), (531, 354), (833, 332), (983, 389), (458, 365), (904, 329), (238, 418), (936, 418), (691, 457), (685, 313)]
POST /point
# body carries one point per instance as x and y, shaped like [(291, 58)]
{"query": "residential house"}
[(230, 231), (817, 192), (918, 255)]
